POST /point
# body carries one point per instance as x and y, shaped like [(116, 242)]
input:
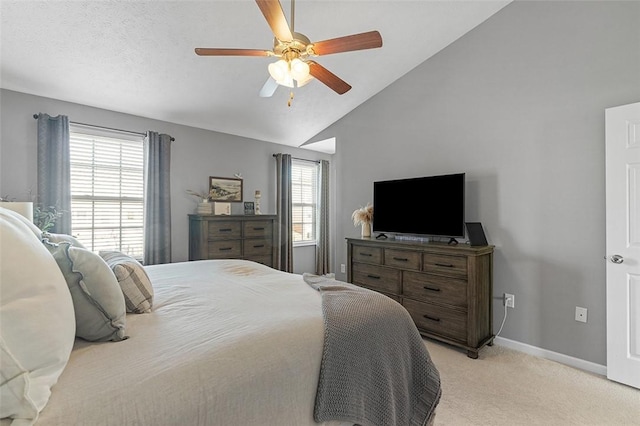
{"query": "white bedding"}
[(229, 342)]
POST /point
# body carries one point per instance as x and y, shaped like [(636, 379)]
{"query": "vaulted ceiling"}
[(137, 57)]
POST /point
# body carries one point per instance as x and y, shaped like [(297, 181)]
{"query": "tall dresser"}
[(233, 237), (447, 289)]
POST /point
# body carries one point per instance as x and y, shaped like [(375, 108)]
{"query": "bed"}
[(226, 342)]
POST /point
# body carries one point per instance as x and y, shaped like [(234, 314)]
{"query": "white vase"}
[(204, 208), (366, 230)]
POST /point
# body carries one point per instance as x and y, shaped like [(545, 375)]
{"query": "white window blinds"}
[(304, 190), (107, 197)]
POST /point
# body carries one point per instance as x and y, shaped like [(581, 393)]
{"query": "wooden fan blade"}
[(327, 77), (203, 51), (369, 40), (273, 13), (269, 88)]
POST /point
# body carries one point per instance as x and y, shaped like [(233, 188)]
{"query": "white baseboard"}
[(589, 366)]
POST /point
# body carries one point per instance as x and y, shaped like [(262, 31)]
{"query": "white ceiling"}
[(137, 57)]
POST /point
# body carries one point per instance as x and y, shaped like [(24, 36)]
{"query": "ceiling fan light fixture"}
[(287, 81), (303, 81), (279, 70), (299, 69)]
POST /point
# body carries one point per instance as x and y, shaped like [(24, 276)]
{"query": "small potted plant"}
[(43, 217), (46, 217)]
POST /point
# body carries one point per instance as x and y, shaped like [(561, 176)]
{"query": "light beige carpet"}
[(507, 387)]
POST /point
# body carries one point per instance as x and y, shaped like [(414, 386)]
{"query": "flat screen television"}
[(429, 206)]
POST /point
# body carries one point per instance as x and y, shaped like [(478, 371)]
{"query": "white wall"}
[(518, 104), (195, 155)]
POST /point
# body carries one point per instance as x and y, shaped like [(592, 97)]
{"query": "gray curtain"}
[(54, 169), (157, 199), (284, 211), (322, 247)]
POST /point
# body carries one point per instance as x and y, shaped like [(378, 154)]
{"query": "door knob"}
[(616, 258)]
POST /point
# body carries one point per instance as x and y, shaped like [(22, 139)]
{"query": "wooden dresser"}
[(233, 237), (447, 289)]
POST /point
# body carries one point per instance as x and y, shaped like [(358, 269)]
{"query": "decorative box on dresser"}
[(446, 288), (233, 237)]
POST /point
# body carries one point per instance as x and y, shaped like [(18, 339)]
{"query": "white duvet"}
[(229, 342)]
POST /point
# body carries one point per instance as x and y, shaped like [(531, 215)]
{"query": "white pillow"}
[(37, 232), (37, 323)]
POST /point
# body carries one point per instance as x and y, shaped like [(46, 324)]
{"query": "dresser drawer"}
[(377, 278), (225, 249), (438, 320), (402, 259), (257, 247), (367, 254), (224, 229), (434, 288), (257, 229), (443, 264)]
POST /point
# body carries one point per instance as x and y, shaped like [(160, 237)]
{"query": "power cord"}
[(503, 319)]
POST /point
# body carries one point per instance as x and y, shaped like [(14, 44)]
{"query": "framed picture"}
[(249, 207), (225, 189)]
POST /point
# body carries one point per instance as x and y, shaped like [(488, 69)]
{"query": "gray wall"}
[(195, 155), (518, 104)]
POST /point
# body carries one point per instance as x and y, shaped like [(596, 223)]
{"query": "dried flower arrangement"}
[(203, 197), (363, 215)]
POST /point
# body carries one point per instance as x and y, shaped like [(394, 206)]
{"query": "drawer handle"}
[(401, 259), (445, 265), (431, 318), (375, 277), (431, 288), (259, 229), (366, 254), (225, 229), (258, 246), (224, 248)]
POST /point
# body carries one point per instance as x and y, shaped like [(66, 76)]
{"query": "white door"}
[(623, 243)]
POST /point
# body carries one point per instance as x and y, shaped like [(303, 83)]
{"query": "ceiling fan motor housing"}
[(299, 47)]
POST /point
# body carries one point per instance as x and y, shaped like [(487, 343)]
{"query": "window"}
[(304, 190), (107, 189)]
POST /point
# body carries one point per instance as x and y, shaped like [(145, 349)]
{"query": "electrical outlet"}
[(581, 314), (343, 268), (509, 300)]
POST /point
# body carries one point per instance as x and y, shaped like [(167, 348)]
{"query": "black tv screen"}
[(430, 205)]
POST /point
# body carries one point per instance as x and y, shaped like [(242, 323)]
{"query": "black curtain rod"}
[(301, 159), (106, 128)]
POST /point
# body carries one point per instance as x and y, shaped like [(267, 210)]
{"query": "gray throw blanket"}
[(375, 367)]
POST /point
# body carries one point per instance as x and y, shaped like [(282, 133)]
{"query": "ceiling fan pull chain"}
[(290, 99)]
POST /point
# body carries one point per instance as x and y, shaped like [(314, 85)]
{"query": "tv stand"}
[(447, 289), (381, 236), (453, 242)]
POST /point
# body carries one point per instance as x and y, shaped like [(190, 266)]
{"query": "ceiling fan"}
[(295, 66)]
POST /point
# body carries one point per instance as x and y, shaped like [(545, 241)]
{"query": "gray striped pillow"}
[(133, 280)]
